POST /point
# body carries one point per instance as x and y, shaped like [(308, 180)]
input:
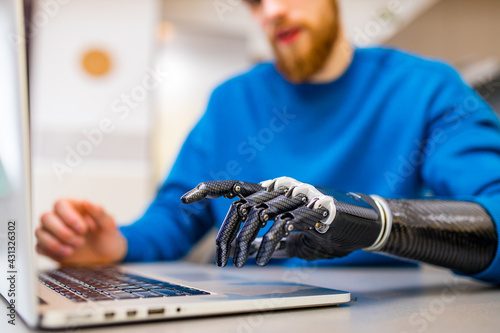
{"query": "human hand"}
[(80, 232), (318, 223)]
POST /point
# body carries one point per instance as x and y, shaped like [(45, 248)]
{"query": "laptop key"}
[(123, 295), (167, 292), (152, 287), (147, 294), (101, 298), (138, 290), (128, 287), (169, 285), (147, 280), (190, 291), (196, 292), (147, 285)]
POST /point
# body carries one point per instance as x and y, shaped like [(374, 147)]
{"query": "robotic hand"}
[(318, 223)]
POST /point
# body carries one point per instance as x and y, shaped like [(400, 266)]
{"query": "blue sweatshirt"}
[(393, 124)]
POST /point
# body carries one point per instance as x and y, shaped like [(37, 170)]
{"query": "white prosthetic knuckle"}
[(278, 182), (311, 193), (321, 200)]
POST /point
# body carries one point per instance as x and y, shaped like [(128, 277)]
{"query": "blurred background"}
[(117, 84)]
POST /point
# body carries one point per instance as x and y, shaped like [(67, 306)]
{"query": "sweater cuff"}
[(135, 244)]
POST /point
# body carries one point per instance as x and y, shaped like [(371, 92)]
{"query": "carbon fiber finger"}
[(258, 218), (247, 234), (216, 189), (227, 233), (212, 189), (260, 197), (272, 239), (283, 204), (243, 189)]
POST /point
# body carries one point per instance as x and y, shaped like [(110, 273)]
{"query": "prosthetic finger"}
[(260, 197), (216, 189), (302, 218), (272, 239), (227, 233), (235, 216), (306, 218), (257, 218)]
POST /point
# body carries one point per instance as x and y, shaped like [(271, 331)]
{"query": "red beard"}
[(299, 66)]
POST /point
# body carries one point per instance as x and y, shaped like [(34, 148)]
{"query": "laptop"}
[(86, 296)]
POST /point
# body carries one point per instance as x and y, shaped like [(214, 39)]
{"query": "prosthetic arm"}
[(319, 223)]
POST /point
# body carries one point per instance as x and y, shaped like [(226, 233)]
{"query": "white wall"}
[(113, 166), (465, 33)]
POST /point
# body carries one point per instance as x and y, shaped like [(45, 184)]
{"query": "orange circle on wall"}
[(96, 62)]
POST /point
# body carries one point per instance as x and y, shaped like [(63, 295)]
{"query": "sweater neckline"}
[(310, 85)]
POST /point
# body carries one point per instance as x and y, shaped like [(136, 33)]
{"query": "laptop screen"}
[(16, 243)]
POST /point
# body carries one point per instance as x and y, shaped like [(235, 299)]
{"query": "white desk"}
[(388, 300)]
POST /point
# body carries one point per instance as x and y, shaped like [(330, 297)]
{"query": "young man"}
[(375, 121)]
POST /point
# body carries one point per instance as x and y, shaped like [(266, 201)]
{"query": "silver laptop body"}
[(40, 304)]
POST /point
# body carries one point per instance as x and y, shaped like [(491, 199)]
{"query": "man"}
[(375, 121)]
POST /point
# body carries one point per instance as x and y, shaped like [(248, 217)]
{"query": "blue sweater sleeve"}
[(462, 151), (168, 228)]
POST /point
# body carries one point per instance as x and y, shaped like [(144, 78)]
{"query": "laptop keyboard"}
[(106, 284)]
